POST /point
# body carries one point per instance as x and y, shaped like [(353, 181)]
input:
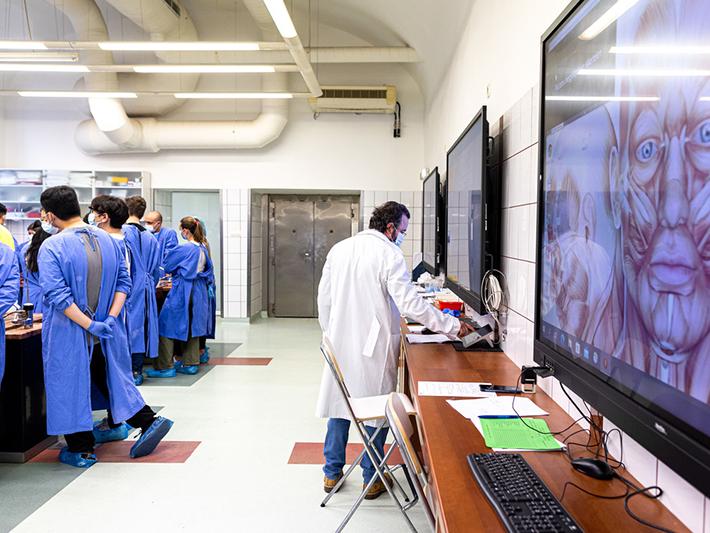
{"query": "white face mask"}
[(46, 226), (149, 227), (91, 219)]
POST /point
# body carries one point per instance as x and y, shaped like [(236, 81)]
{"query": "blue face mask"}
[(91, 219), (47, 227), (400, 239)]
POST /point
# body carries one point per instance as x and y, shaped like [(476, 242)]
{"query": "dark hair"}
[(112, 206), (34, 226), (33, 248), (193, 226), (61, 201), (386, 213), (3, 210), (136, 206)]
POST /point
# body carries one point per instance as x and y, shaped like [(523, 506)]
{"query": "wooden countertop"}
[(448, 438), (19, 333)]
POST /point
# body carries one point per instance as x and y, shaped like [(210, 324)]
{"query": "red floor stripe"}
[(240, 361), (311, 453), (117, 452)]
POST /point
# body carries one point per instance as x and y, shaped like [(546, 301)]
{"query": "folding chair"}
[(367, 409), (402, 430)]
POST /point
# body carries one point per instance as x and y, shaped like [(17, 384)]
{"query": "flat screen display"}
[(430, 221), (625, 200), (464, 208)]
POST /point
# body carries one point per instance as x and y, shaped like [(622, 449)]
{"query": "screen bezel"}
[(670, 439), (471, 297), (433, 269)]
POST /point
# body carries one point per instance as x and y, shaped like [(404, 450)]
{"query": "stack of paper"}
[(501, 426), (416, 329), (437, 338), (453, 389)]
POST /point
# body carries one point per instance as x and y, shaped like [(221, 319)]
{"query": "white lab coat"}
[(364, 289)]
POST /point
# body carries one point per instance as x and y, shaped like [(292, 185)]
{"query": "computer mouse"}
[(595, 468)]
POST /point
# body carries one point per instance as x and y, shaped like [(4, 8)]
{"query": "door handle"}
[(306, 254)]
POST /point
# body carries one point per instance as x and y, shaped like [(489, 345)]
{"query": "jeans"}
[(336, 439)]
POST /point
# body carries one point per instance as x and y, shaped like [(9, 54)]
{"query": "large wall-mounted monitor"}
[(432, 227), (623, 288), (466, 176)]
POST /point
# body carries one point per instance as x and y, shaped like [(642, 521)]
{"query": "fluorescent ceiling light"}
[(661, 50), (705, 98), (645, 72), (177, 46), (234, 96), (201, 69), (22, 45), (602, 98), (32, 57), (603, 22), (15, 67), (282, 19), (76, 94)]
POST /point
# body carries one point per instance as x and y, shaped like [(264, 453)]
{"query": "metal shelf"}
[(118, 186)]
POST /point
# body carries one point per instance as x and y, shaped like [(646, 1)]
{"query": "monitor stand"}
[(481, 346)]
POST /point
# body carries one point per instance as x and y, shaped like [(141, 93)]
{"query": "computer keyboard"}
[(519, 496)]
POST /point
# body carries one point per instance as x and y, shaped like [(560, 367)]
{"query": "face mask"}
[(46, 226), (91, 219), (149, 227), (399, 240)]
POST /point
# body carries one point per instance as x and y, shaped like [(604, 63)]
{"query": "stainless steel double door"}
[(302, 230)]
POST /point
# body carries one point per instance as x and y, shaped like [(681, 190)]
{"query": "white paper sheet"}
[(437, 338), (453, 389), (416, 329), (498, 406)]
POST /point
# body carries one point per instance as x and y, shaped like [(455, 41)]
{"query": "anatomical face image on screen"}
[(626, 192)]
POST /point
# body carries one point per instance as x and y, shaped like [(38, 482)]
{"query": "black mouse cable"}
[(553, 433), (646, 491)]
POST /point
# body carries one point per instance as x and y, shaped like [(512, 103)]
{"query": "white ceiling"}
[(432, 28)]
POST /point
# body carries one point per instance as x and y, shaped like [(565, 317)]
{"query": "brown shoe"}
[(329, 484), (378, 488)]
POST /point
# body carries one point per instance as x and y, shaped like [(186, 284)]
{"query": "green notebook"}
[(512, 433)]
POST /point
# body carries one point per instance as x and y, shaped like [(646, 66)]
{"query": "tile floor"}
[(247, 420)]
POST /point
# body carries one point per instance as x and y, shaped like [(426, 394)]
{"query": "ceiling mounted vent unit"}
[(174, 6), (355, 99)]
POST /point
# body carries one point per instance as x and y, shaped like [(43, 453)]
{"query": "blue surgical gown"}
[(9, 288), (66, 347), (142, 306), (167, 240), (192, 294)]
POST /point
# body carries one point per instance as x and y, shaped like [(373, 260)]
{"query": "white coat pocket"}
[(372, 336)]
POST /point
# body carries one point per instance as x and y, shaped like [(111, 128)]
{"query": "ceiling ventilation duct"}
[(354, 99), (146, 135)]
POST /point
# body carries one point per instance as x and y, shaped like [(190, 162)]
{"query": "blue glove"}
[(100, 329), (111, 322)]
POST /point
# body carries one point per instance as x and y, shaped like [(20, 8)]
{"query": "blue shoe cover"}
[(151, 438), (138, 379), (205, 357), (177, 364), (79, 460), (107, 434), (168, 373), (189, 370)]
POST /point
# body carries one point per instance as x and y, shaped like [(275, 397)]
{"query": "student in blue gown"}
[(167, 238), (31, 229), (85, 283), (204, 349), (9, 288), (185, 315), (31, 290), (141, 251)]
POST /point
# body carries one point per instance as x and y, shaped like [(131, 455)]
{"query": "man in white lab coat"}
[(364, 289)]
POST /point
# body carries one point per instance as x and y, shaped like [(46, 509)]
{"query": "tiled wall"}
[(259, 228), (413, 200), (236, 207), (520, 134)]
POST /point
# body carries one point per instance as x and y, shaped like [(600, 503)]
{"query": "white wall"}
[(501, 48)]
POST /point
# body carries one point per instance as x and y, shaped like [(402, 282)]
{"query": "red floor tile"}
[(240, 361), (117, 452), (311, 453)]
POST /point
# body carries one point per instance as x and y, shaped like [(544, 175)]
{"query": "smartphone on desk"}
[(503, 389)]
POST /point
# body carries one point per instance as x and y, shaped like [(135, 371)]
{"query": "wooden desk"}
[(23, 409), (447, 438)]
